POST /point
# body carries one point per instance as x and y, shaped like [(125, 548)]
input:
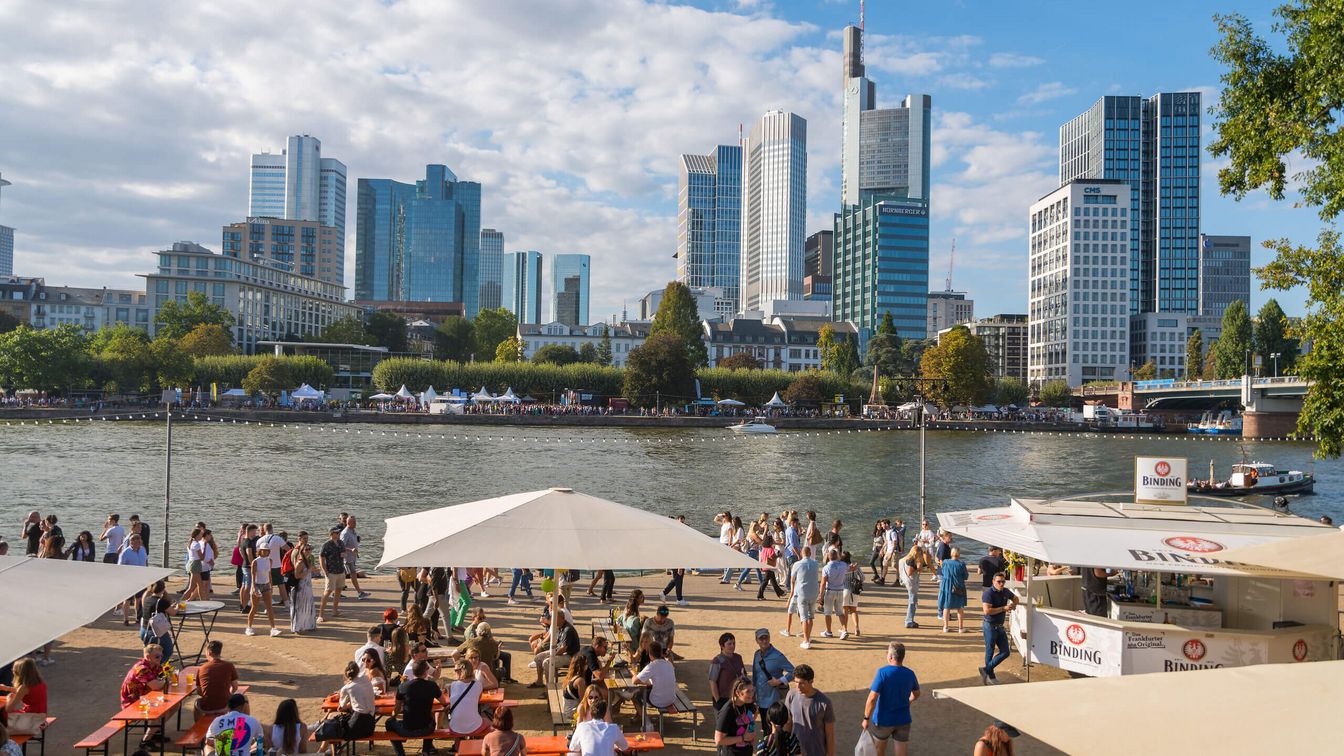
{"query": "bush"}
[(755, 387), (540, 380), (228, 371)]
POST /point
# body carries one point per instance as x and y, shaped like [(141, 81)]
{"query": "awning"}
[(731, 403), (306, 392), (1199, 711), (47, 598), (558, 527), (1321, 555), (382, 396)]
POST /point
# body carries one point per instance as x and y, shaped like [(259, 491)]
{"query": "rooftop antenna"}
[(860, 32), (951, 259)]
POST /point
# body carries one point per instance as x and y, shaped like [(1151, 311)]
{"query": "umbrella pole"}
[(1026, 657)]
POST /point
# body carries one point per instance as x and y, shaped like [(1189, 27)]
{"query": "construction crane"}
[(951, 259)]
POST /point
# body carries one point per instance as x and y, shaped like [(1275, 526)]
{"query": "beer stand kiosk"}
[(1173, 603)]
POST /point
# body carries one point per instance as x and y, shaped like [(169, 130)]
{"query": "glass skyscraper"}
[(884, 152), (1224, 274), (419, 242), (300, 184), (774, 210), (709, 227), (881, 265), (6, 243), (492, 260), (569, 289), (520, 292)]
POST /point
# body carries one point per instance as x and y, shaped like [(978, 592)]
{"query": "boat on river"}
[(752, 425), (1259, 478), (1225, 423)]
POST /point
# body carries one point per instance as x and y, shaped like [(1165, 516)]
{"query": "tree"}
[(840, 356), (884, 351), (1194, 356), (679, 314), (912, 352), (125, 356), (960, 367), (208, 340), (888, 326), (556, 354), (1210, 369), (270, 377), (48, 360), (1145, 372), (1011, 391), (8, 322), (387, 329), (509, 350), (493, 326), (659, 369), (176, 319), (455, 339), (1056, 393), (173, 367), (1234, 342), (604, 348), (1271, 337), (347, 330), (1276, 105), (807, 388), (314, 371), (740, 361), (588, 353)]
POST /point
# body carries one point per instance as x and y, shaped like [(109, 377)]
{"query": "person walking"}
[(769, 556), (909, 569), (262, 591), (302, 613), (996, 602), (350, 543), (133, 554), (812, 715), (879, 549), (886, 713), (724, 520), (522, 578), (675, 584), (834, 577), (771, 671), (992, 564), (952, 590), (805, 578), (853, 589), (333, 565)]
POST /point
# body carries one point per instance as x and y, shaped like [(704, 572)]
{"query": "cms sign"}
[(1091, 190)]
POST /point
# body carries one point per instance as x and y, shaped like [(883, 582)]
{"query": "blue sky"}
[(126, 129)]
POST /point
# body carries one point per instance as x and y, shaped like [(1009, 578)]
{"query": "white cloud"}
[(962, 81), (1013, 60), (1045, 92)]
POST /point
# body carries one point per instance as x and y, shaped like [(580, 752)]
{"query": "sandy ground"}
[(91, 661)]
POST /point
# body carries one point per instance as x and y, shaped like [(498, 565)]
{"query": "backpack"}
[(287, 564), (854, 581)]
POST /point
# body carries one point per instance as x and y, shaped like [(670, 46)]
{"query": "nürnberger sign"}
[(1160, 480)]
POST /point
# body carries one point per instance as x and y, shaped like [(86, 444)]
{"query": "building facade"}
[(6, 241), (301, 185), (1005, 339), (304, 247), (267, 303), (1224, 273), (569, 288), (774, 210), (419, 241), (710, 304), (31, 301), (948, 308), (492, 262), (1159, 337), (520, 292), (884, 151), (1078, 273), (818, 258), (709, 220), (624, 337), (778, 343), (882, 266)]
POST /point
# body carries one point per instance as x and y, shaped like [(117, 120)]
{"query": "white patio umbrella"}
[(731, 403), (383, 396), (47, 598)]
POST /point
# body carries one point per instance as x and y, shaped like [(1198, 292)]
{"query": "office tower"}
[(569, 289), (1005, 339), (419, 242), (1079, 286), (299, 184), (266, 196), (774, 210), (709, 227), (1224, 273), (818, 256), (882, 266), (884, 151), (492, 258), (6, 241), (308, 248), (520, 291), (946, 309), (1153, 145)]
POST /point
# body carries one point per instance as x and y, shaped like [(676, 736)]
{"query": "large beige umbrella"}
[(1261, 709), (47, 598), (1312, 555)]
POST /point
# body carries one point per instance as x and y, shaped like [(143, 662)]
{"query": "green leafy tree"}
[(1234, 342), (807, 388), (884, 351), (1056, 393), (679, 314), (1210, 369), (125, 357), (347, 330), (960, 365), (660, 369), (173, 367), (588, 353), (8, 322), (912, 353), (1145, 372), (455, 339), (509, 350), (556, 354), (1282, 100), (1271, 337), (604, 348), (493, 326), (54, 359), (388, 329), (1194, 356), (888, 326), (269, 377), (838, 355), (1011, 391), (740, 361), (208, 340), (176, 319), (314, 371)]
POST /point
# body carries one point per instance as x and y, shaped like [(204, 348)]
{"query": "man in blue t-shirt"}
[(997, 602), (886, 715)]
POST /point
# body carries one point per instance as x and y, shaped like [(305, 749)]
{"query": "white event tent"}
[(482, 396), (775, 401), (403, 393), (47, 598), (428, 395), (306, 392), (731, 403), (382, 396)]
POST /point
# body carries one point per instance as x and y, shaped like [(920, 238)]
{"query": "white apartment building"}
[(624, 337), (1079, 282)]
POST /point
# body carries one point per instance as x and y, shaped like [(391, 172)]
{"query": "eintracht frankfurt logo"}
[(1194, 649), (1075, 634), (1193, 543), (1300, 650), (1163, 469)]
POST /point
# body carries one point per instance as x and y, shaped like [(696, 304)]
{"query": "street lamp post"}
[(1275, 356), (922, 419), (167, 474)]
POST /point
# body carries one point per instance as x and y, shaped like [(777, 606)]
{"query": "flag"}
[(214, 392)]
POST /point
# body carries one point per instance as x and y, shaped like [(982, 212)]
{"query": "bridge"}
[(1270, 405)]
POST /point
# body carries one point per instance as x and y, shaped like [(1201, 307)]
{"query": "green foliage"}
[(455, 339), (679, 315), (1271, 337), (660, 369), (604, 348), (1230, 359), (1210, 369), (510, 350), (912, 353), (388, 329), (888, 327), (755, 387), (172, 367), (1011, 391), (8, 322), (1194, 356), (314, 371), (961, 365), (1055, 393), (269, 377), (207, 340), (348, 330), (542, 381), (838, 354), (807, 387), (228, 371), (50, 360), (124, 357), (176, 320), (884, 351), (588, 353), (492, 327), (740, 361), (556, 354), (1145, 372)]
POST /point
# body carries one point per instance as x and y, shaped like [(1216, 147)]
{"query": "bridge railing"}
[(1170, 383)]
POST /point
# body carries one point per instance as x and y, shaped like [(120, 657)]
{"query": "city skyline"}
[(161, 154)]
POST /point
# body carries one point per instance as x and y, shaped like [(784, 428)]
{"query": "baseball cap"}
[(762, 633), (335, 529)]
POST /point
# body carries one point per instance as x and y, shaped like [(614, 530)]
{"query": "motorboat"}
[(1106, 419), (753, 425), (1225, 423), (1259, 478)]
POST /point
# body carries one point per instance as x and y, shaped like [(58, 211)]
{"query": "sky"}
[(127, 126)]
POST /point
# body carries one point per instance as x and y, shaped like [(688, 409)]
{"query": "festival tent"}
[(731, 403), (482, 396), (775, 401), (1321, 555), (508, 397), (234, 392), (428, 395), (1175, 712), (382, 396), (47, 598), (306, 392), (402, 393)]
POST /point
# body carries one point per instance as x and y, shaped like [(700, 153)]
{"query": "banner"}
[(1075, 644), (1160, 480)]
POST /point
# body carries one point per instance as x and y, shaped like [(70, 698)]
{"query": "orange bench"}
[(383, 736), (100, 739), (40, 738)]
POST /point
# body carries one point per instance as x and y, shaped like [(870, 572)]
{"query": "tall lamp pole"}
[(919, 385), (1275, 356), (168, 396)]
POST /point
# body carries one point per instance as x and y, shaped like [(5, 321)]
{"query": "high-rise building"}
[(419, 242), (1224, 273), (569, 289), (948, 308), (6, 242), (308, 248), (882, 266), (884, 152), (818, 258), (520, 292), (774, 210), (1005, 339), (1079, 291), (709, 212), (492, 260), (1151, 144), (301, 185)]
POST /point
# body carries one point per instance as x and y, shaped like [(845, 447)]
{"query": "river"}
[(302, 476)]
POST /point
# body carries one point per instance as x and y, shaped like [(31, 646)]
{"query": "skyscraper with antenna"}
[(6, 241)]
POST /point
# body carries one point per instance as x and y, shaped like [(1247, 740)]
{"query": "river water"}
[(302, 476)]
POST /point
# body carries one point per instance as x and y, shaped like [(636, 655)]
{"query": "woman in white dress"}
[(302, 614)]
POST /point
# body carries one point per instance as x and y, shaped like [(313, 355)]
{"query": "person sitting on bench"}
[(415, 707)]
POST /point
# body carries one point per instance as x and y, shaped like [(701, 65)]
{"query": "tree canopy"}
[(388, 329), (740, 361), (556, 354), (455, 339), (492, 327), (678, 314), (1194, 356), (176, 319), (960, 365), (660, 369), (509, 350), (53, 359), (1234, 343), (1271, 338), (347, 330), (207, 340), (1011, 391), (604, 348), (1056, 393)]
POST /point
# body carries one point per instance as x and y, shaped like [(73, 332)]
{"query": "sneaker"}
[(275, 631), (683, 602), (947, 630), (531, 665), (993, 680), (512, 602), (116, 612), (784, 633), (827, 634), (984, 676), (844, 634), (805, 645), (321, 619), (249, 631), (739, 587), (362, 595), (912, 626), (663, 596), (484, 594)]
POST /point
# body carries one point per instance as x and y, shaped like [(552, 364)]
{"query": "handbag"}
[(26, 723), (237, 560)]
